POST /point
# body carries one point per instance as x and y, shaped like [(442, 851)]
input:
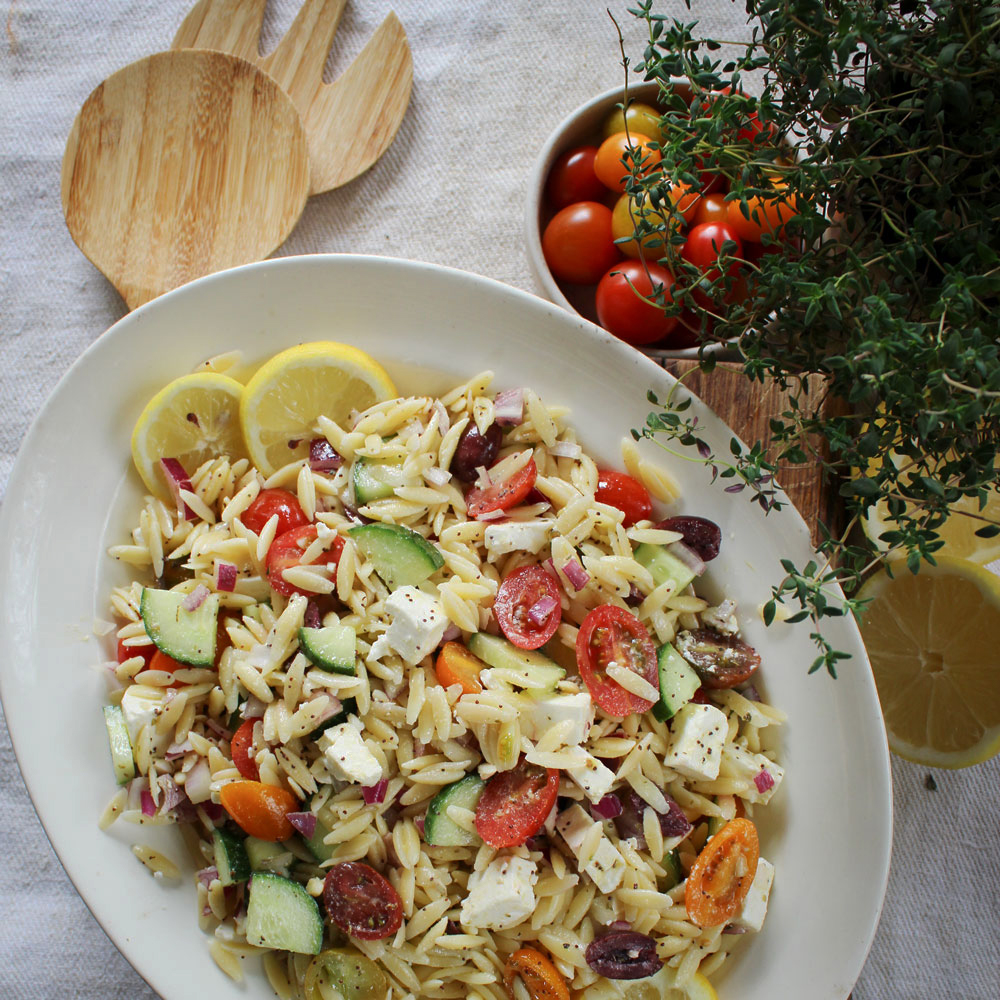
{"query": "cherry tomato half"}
[(617, 489), (618, 155), (527, 607), (539, 977), (456, 665), (572, 178), (577, 243), (612, 634), (161, 661), (241, 750), (270, 502), (123, 652), (622, 306), (514, 804), (361, 901), (503, 495), (258, 809), (722, 873), (286, 551)]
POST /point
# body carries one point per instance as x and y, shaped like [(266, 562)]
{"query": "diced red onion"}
[(373, 794), (135, 789), (252, 708), (750, 693), (148, 805), (206, 876), (451, 632), (214, 811), (196, 598), (177, 479), (323, 457), (177, 750), (620, 925), (419, 824), (576, 574), (198, 782), (173, 794), (508, 407), (565, 449), (733, 929), (437, 476), (333, 708), (225, 576), (304, 822), (764, 780), (688, 556), (539, 612), (608, 808), (312, 617), (216, 727), (444, 420)]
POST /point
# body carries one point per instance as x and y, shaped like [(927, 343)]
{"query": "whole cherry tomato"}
[(577, 243), (619, 156), (711, 208), (572, 178), (622, 306)]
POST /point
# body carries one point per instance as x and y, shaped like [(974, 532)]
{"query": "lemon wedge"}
[(932, 639), (193, 418), (287, 394), (662, 986)]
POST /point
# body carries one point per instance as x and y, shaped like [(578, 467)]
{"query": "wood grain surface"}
[(180, 165)]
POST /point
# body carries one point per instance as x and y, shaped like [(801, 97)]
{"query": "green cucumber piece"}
[(441, 831), (188, 636), (333, 647), (671, 863), (348, 707), (121, 746), (231, 860), (374, 480), (267, 856), (678, 682), (401, 557), (281, 914), (663, 566), (537, 670), (320, 850)]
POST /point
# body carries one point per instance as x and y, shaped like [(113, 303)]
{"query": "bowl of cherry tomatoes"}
[(581, 226)]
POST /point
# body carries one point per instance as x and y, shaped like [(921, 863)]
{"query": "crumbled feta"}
[(722, 618), (748, 766), (347, 757), (698, 734), (516, 536), (553, 709), (593, 777), (607, 867), (751, 917), (379, 648), (418, 623), (141, 703), (502, 895)]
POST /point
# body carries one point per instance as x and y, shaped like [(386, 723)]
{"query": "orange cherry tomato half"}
[(514, 804), (503, 495), (258, 809), (617, 489), (610, 633), (527, 606), (241, 749), (286, 551), (456, 665), (618, 156), (721, 875), (537, 974)]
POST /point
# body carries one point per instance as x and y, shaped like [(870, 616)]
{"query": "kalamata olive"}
[(623, 955), (721, 661), (475, 450), (700, 534), (673, 823)]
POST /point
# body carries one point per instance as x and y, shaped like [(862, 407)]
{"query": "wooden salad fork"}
[(349, 123)]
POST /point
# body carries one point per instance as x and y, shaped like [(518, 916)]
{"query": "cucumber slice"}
[(281, 914), (441, 831), (678, 682), (332, 648), (267, 856), (671, 864), (538, 672), (374, 480), (400, 556), (663, 566), (231, 860), (349, 706), (320, 850), (188, 636), (121, 746)]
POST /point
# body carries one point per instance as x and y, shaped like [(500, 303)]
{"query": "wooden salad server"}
[(349, 123)]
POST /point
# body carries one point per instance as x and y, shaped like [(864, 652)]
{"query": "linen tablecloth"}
[(492, 78)]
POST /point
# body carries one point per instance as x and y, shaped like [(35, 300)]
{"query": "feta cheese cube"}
[(698, 735), (607, 867), (141, 704), (593, 777), (751, 917), (347, 757), (418, 623), (502, 895), (553, 709), (516, 536)]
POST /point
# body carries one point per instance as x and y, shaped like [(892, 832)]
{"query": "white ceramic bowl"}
[(73, 487)]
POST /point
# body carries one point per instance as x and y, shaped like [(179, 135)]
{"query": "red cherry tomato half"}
[(241, 748), (503, 495), (572, 178), (362, 902), (617, 489), (527, 607), (578, 244), (514, 804), (622, 306), (610, 633), (271, 502), (123, 652), (286, 551)]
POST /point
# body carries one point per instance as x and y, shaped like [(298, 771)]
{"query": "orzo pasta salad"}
[(436, 705)]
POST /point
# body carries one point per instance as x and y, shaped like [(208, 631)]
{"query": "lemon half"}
[(934, 643), (283, 400)]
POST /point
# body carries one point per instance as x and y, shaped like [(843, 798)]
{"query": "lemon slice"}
[(283, 400), (193, 418), (662, 986), (932, 639)]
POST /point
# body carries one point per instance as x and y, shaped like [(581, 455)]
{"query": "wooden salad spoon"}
[(349, 123)]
